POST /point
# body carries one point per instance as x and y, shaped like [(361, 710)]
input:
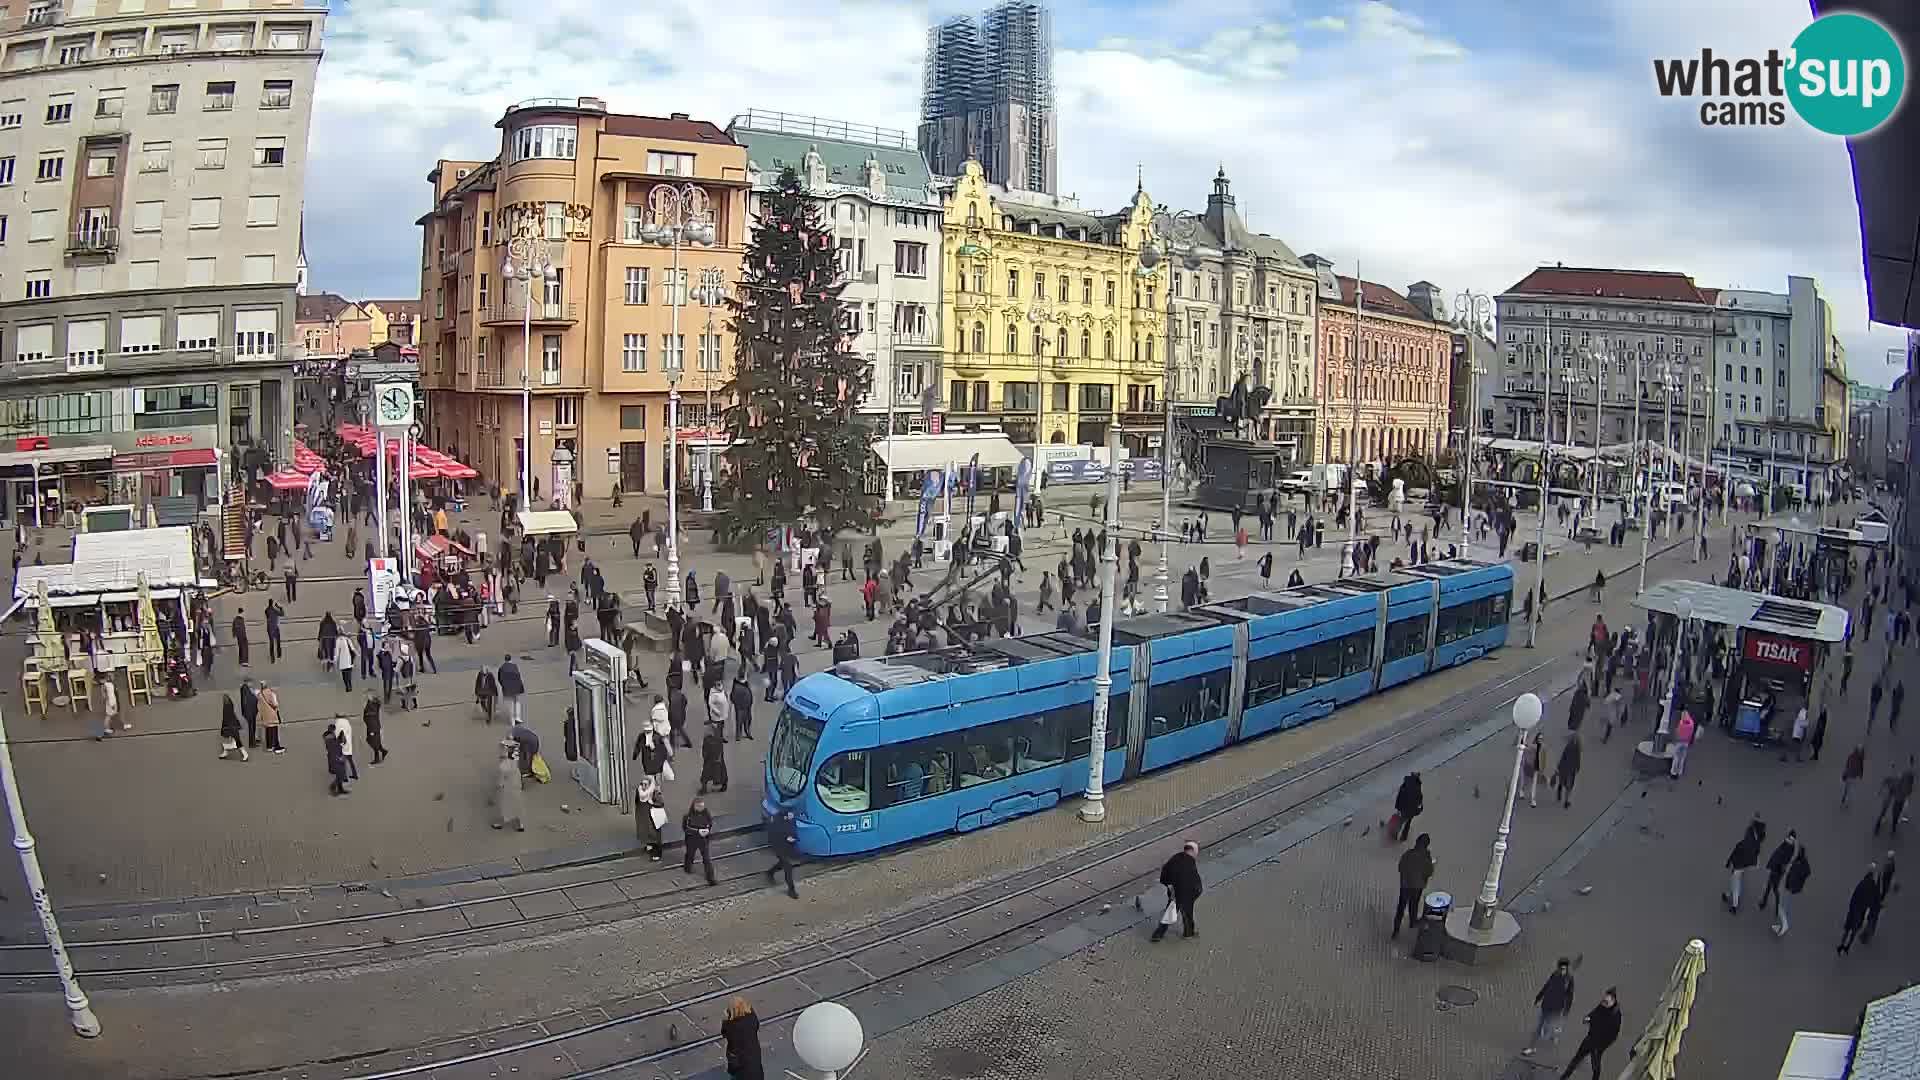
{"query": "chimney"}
[(678, 116)]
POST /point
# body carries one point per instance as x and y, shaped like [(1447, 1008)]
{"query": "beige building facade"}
[(584, 190)]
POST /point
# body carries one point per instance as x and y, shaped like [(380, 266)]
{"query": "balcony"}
[(91, 240), (514, 313)]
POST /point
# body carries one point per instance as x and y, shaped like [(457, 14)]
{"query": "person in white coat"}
[(343, 659), (343, 728), (719, 708)]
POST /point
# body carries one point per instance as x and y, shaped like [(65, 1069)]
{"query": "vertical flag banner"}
[(973, 481), (929, 489)]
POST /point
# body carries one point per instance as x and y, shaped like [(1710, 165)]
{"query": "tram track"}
[(917, 939)]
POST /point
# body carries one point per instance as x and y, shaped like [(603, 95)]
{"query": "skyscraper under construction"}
[(989, 96)]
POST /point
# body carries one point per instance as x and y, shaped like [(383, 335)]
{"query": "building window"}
[(554, 220), (674, 351), (213, 153), (269, 151), (219, 97), (1013, 284), (1106, 345), (550, 360), (100, 165), (110, 104), (288, 39), (6, 170), (263, 209), (663, 163), (156, 157), (979, 337), (909, 259), (544, 141), (60, 109), (51, 167), (1110, 292), (164, 98), (636, 285), (566, 412), (709, 357), (1013, 340), (633, 353), (633, 417)]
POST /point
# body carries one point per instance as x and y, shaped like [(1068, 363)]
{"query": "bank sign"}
[(1783, 652)]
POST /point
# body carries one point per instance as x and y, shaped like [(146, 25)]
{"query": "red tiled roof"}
[(320, 307), (1712, 295), (396, 309), (678, 126), (1380, 300), (1664, 285)]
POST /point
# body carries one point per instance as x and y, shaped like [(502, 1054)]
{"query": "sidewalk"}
[(183, 824)]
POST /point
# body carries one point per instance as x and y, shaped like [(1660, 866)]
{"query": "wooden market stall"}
[(109, 609)]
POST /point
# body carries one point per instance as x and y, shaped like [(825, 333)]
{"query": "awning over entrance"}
[(56, 455), (547, 522), (1801, 619), (909, 453)]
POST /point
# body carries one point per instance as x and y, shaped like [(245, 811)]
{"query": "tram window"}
[(1502, 604), (919, 769), (1326, 661), (1198, 699), (986, 752), (1076, 722), (790, 751), (1455, 623), (1268, 679), (1406, 637), (1040, 742), (1299, 670), (842, 783), (1358, 650)]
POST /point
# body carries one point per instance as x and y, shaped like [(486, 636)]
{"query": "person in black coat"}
[(713, 759), (1777, 864), (250, 711), (1181, 876), (784, 837), (1408, 804), (370, 719), (677, 717), (697, 828), (741, 698), (1880, 896), (1866, 896), (1603, 1027), (1745, 856), (741, 1030)]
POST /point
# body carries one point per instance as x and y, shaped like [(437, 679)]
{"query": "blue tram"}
[(880, 751)]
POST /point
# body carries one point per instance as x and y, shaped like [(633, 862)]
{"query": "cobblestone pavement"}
[(1294, 975), (558, 978), (190, 825)]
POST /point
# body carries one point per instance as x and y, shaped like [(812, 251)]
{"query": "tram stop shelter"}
[(1778, 644)]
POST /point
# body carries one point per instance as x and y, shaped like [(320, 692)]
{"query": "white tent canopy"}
[(1722, 606), (112, 562), (909, 453), (547, 522)]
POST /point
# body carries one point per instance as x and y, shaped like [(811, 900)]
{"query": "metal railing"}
[(515, 310), (785, 123), (93, 240)]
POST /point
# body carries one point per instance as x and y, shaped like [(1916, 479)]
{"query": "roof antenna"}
[(1139, 178)]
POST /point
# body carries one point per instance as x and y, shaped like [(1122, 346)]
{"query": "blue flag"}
[(973, 481), (1023, 480), (929, 490)]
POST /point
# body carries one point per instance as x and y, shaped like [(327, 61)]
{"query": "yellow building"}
[(1050, 330), (601, 347)]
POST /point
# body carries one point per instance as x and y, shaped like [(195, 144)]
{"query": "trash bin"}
[(1432, 935)]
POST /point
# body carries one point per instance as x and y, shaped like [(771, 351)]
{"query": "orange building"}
[(586, 189), (1401, 359)]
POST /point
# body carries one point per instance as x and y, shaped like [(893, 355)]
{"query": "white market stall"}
[(117, 582)]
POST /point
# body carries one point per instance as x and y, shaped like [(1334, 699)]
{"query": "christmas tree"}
[(799, 452)]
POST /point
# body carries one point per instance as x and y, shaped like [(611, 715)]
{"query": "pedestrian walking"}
[(1603, 1027), (240, 636), (1884, 890), (741, 1030), (1819, 736), (713, 757), (270, 718), (1181, 875), (343, 728), (1778, 864), (511, 686), (509, 804), (741, 703), (343, 660), (370, 719), (250, 711), (1683, 733), (1555, 1000), (1866, 897), (1855, 768), (109, 707), (1744, 856), (1896, 789), (1796, 880), (336, 763), (1415, 869), (1408, 803), (1566, 771), (1532, 764), (784, 837), (697, 830), (230, 734)]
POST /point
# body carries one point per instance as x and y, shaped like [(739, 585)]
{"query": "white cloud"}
[(1423, 151), (1333, 24)]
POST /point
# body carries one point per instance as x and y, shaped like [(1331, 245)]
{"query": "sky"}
[(1463, 142)]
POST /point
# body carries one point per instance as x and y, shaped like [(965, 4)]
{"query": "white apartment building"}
[(1781, 384), (152, 166), (876, 194)]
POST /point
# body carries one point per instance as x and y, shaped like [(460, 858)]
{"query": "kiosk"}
[(600, 723)]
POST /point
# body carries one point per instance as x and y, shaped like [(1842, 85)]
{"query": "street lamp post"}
[(1175, 231), (677, 215), (79, 1011), (1095, 807), (530, 259), (1473, 316), (712, 287), (1526, 714)]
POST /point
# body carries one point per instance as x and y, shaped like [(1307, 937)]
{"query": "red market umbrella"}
[(288, 480)]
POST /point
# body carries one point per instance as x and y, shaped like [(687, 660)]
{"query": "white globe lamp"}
[(828, 1038), (1526, 711)]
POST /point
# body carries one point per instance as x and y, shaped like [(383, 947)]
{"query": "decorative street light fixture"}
[(531, 259), (1176, 232), (712, 290), (1526, 715), (677, 215)]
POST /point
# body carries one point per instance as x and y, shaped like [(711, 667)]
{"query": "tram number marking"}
[(865, 825)]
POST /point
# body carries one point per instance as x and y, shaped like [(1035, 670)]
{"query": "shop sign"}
[(148, 442), (1780, 651)]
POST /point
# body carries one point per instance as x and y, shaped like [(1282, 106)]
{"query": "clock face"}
[(396, 405)]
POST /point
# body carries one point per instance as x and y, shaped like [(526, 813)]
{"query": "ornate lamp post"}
[(530, 259), (1472, 316), (711, 291), (1526, 715), (1173, 232), (677, 215)]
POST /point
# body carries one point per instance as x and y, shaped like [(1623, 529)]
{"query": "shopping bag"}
[(659, 815), (540, 770), (1170, 915), (666, 770), (1393, 828)]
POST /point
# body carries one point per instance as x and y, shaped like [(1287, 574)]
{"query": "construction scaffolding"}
[(988, 95)]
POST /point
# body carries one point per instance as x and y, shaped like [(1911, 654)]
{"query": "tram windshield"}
[(790, 752)]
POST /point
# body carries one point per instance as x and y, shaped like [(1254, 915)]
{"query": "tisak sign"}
[(1781, 651)]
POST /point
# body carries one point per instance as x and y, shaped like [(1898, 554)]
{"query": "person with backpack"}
[(1796, 880)]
